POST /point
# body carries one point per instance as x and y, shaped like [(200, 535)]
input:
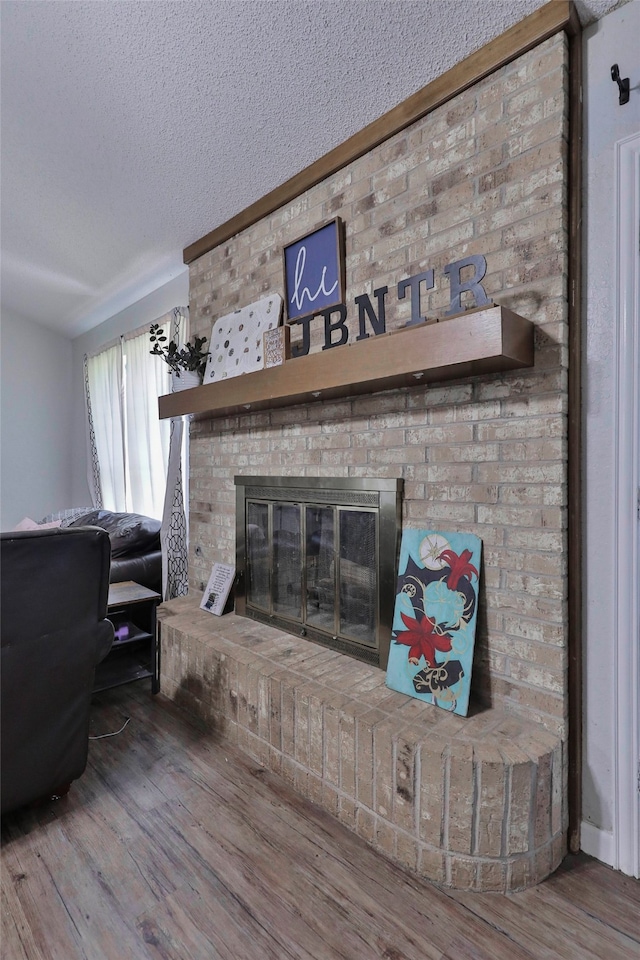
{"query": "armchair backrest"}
[(54, 587)]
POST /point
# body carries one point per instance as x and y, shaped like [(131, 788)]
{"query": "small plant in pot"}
[(190, 358)]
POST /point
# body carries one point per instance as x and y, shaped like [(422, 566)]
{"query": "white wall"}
[(144, 312), (43, 462), (35, 416), (614, 39)]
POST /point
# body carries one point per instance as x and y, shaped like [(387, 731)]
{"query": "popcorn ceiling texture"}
[(131, 129), (483, 174), (476, 803)]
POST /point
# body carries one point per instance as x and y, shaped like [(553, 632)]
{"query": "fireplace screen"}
[(317, 557)]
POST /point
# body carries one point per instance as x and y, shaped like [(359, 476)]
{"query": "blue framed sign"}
[(314, 271)]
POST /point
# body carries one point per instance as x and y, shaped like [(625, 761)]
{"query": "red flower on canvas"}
[(459, 566), (422, 639)]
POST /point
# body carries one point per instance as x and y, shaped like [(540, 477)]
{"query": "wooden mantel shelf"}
[(478, 342)]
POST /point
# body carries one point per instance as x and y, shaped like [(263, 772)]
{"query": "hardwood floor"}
[(171, 846)]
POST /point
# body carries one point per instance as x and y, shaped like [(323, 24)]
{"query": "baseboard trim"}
[(597, 843)]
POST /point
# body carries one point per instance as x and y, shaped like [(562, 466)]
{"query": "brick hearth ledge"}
[(472, 803)]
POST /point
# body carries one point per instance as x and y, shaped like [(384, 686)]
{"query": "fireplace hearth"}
[(317, 558)]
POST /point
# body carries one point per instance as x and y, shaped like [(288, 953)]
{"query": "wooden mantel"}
[(483, 341)]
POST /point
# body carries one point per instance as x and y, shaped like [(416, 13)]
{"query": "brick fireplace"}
[(477, 802)]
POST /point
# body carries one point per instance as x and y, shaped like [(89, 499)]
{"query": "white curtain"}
[(136, 460), (104, 401), (128, 443), (146, 436)]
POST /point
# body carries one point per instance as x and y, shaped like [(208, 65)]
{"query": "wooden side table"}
[(135, 652)]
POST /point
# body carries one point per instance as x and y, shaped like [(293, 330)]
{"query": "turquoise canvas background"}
[(422, 588)]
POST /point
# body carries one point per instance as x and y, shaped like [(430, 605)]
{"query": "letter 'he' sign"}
[(314, 271)]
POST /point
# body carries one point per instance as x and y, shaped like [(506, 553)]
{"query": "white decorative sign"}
[(236, 344), (218, 587)]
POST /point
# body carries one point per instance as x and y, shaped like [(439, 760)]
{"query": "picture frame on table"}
[(216, 594)]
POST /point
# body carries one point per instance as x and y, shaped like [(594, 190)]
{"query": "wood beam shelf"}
[(488, 340)]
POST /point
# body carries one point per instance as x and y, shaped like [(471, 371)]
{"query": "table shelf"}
[(135, 656), (121, 666)]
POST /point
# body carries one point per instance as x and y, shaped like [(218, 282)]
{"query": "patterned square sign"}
[(277, 346), (237, 344), (434, 622)]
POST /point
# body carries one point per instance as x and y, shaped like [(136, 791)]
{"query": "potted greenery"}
[(186, 363)]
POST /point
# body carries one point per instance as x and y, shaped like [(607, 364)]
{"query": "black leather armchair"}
[(54, 586)]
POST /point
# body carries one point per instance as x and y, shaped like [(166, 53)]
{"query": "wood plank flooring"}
[(172, 847)]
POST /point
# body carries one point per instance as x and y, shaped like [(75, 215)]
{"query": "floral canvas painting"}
[(434, 622)]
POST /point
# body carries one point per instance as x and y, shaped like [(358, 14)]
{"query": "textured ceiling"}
[(131, 129)]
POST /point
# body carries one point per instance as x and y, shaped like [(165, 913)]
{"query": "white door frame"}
[(626, 808)]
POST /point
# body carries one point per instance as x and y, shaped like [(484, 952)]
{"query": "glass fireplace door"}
[(320, 552), (316, 565), (317, 557)]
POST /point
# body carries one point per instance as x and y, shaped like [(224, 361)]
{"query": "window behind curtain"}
[(132, 443), (146, 436), (104, 383)]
